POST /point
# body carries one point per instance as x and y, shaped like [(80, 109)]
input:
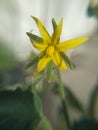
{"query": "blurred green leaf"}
[(62, 123), (85, 124), (19, 110), (7, 57), (92, 101), (72, 100), (93, 11)]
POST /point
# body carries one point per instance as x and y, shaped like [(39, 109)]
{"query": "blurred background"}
[(80, 18)]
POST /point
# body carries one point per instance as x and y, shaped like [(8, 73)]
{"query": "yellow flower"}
[(51, 46)]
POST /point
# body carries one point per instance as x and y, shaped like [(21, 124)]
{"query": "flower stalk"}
[(45, 124), (63, 99)]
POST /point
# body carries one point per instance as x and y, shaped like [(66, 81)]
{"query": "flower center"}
[(50, 50)]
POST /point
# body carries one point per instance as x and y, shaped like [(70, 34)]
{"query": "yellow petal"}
[(62, 65), (57, 32), (59, 61), (56, 58), (40, 46), (71, 44), (43, 63), (45, 35)]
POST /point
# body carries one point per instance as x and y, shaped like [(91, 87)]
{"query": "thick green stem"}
[(62, 97), (45, 125)]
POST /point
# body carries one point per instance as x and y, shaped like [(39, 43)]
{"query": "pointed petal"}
[(43, 63), (71, 44), (62, 65), (59, 61), (57, 32), (45, 35), (40, 47), (56, 58)]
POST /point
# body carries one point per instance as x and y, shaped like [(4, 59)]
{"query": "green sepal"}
[(49, 71), (54, 24), (54, 27), (33, 62), (67, 60), (34, 37)]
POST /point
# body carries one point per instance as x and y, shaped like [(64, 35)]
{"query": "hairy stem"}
[(62, 98)]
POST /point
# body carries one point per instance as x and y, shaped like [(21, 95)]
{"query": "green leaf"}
[(49, 71), (19, 110), (34, 37), (93, 101), (72, 100), (67, 60), (85, 124), (93, 11), (54, 24), (62, 123), (7, 56)]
